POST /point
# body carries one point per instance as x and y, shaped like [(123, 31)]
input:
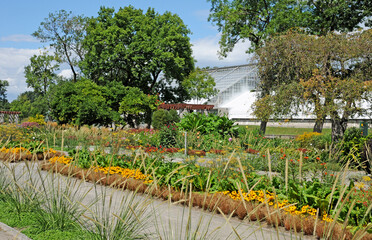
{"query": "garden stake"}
[(62, 142), (186, 143), (286, 174), (269, 163), (335, 217), (300, 167)]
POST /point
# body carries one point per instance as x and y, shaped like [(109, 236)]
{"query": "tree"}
[(80, 103), (254, 20), (259, 20), (200, 85), (65, 33), (145, 50), (135, 106), (40, 73), (4, 104), (30, 104), (329, 75)]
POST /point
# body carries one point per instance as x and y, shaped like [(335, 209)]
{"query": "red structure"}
[(181, 106)]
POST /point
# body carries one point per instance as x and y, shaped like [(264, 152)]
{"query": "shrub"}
[(202, 123), (39, 119), (305, 139), (168, 135), (163, 117), (357, 147)]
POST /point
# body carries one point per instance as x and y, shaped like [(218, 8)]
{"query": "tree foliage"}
[(327, 75), (147, 50), (65, 33), (257, 20), (3, 100), (135, 106), (80, 103), (200, 85), (40, 73), (30, 104)]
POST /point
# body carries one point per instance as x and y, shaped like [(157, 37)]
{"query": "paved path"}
[(8, 233), (168, 220)]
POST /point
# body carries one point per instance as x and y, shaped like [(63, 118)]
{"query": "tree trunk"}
[(263, 127), (318, 126), (338, 128)]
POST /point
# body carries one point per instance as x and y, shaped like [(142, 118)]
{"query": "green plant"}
[(59, 205), (168, 135), (202, 123), (162, 117), (124, 218)]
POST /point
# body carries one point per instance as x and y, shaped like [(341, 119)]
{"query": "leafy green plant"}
[(199, 122), (162, 117), (168, 135)]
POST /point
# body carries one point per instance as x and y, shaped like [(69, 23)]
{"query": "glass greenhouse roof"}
[(231, 81)]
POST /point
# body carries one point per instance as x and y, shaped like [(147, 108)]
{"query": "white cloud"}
[(18, 38), (205, 51), (12, 63), (66, 73)]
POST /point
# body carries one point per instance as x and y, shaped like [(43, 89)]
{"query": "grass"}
[(287, 130), (28, 224)]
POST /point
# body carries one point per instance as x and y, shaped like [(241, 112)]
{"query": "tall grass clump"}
[(116, 217)]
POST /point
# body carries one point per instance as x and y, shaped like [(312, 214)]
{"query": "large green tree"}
[(29, 104), (147, 50), (328, 75), (41, 73), (65, 33), (258, 20), (80, 103), (136, 106), (4, 104)]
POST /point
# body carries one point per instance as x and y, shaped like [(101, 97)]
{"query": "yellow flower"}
[(366, 178)]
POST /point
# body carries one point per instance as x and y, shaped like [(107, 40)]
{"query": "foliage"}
[(258, 20), (357, 148), (30, 104), (80, 103), (306, 138), (65, 33), (163, 117), (135, 105), (39, 119), (200, 85), (40, 73), (3, 101), (168, 135), (132, 47), (203, 123), (304, 76), (254, 20)]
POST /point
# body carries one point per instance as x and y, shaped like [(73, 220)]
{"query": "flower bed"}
[(254, 206)]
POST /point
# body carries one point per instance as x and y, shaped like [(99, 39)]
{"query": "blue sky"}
[(20, 18)]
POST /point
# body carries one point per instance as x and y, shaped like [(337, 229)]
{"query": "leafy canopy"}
[(200, 85), (147, 50), (65, 33)]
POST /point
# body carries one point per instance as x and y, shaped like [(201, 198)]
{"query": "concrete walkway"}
[(167, 220), (8, 233)]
